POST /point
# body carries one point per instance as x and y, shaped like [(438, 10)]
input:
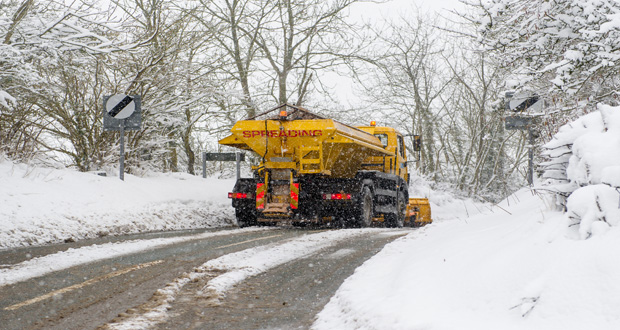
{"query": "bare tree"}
[(280, 48), (38, 37), (439, 86), (410, 81), (480, 156)]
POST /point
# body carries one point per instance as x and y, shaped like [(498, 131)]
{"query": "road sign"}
[(524, 101), (120, 106), (121, 109), (516, 122), (223, 156), (121, 112)]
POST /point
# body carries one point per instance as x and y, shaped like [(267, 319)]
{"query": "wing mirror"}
[(417, 143)]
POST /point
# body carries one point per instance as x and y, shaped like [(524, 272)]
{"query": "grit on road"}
[(225, 279)]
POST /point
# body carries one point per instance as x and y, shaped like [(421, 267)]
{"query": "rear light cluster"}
[(239, 195), (336, 196)]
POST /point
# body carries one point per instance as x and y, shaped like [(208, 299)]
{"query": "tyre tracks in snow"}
[(83, 287), (208, 280), (277, 286)]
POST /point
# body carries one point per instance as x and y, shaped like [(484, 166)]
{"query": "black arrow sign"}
[(526, 104), (120, 106)]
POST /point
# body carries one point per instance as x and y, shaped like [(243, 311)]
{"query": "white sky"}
[(396, 8), (372, 12)]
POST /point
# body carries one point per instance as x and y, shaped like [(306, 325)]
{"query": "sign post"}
[(121, 167), (520, 103), (122, 112), (238, 160), (524, 123)]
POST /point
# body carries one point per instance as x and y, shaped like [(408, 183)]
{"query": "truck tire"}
[(245, 218), (365, 209), (397, 220)]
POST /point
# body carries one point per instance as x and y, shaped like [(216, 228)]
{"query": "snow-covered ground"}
[(43, 205), (515, 268), (515, 265), (523, 266)]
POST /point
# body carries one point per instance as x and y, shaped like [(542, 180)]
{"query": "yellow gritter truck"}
[(317, 170)]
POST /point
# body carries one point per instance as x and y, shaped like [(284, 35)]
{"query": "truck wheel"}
[(397, 220), (245, 218), (365, 209)]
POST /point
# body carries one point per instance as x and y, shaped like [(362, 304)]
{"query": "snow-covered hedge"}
[(583, 171), (41, 205)]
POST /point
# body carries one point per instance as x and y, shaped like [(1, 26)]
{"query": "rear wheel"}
[(365, 208), (245, 218), (397, 220)]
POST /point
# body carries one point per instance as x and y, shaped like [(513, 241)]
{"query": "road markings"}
[(83, 284), (110, 275), (248, 241)]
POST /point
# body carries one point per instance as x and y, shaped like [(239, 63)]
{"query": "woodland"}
[(201, 65)]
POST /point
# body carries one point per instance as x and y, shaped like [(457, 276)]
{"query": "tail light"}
[(337, 196), (238, 195)]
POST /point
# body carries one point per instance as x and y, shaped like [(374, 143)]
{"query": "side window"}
[(401, 146), (383, 138)]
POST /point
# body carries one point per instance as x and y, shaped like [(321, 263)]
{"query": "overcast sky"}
[(395, 8)]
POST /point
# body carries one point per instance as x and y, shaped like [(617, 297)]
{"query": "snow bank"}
[(592, 210), (585, 165), (513, 269), (444, 205), (595, 149), (39, 206)]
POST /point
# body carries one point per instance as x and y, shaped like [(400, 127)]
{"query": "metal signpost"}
[(521, 102), (222, 157), (122, 112), (524, 123)]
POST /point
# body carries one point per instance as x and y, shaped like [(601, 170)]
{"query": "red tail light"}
[(237, 195), (336, 196)]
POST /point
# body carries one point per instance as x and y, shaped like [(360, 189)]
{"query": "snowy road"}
[(247, 278)]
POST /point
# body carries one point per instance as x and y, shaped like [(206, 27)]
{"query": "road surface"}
[(292, 274)]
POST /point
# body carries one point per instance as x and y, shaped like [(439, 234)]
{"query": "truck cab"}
[(394, 142)]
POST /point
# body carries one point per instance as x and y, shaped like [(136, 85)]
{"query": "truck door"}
[(401, 158)]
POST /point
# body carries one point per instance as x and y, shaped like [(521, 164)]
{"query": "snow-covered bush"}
[(558, 152), (593, 210), (565, 49), (583, 170)]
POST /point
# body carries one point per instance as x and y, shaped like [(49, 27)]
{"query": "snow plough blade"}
[(419, 212)]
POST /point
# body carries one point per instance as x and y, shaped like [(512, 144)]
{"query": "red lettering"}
[(282, 133)]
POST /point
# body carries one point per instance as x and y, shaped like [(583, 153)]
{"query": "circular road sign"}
[(120, 106)]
